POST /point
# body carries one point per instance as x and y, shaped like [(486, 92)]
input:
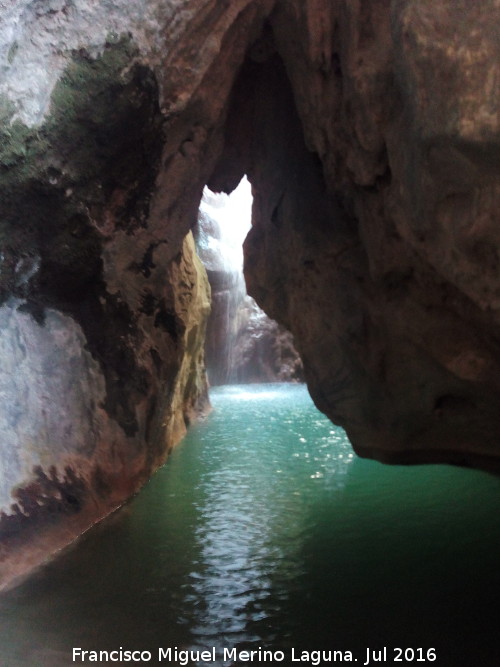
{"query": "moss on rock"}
[(98, 149)]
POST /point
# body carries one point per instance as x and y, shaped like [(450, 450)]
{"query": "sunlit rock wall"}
[(264, 350)]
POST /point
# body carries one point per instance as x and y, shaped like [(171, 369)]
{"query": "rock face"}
[(370, 132), (103, 310), (263, 350), (74, 444)]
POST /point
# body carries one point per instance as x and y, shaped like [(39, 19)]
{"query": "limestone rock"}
[(73, 446), (263, 350), (370, 134), (430, 346), (106, 111)]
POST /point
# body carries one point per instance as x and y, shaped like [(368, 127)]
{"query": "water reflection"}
[(243, 505), (265, 530), (259, 486), (236, 393)]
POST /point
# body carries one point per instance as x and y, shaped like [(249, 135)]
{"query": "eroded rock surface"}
[(111, 118), (263, 350), (369, 130)]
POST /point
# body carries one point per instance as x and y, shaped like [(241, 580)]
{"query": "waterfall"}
[(232, 216), (243, 344), (223, 223)]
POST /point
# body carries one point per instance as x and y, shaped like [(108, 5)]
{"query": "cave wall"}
[(369, 131), (110, 121)]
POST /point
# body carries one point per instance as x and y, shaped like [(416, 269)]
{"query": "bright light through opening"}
[(233, 214)]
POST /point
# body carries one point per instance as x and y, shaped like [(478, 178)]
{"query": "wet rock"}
[(263, 351), (105, 118)]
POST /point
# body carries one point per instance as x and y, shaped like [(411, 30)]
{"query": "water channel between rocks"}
[(264, 530)]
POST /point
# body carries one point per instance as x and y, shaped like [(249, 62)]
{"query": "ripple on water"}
[(265, 530)]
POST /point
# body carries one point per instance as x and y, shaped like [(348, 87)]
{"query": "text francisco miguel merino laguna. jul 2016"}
[(184, 657)]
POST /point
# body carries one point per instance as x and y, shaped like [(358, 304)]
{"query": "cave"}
[(369, 133)]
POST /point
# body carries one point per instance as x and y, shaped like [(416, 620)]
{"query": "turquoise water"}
[(264, 530)]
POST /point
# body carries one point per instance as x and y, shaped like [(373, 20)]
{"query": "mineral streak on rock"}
[(370, 133)]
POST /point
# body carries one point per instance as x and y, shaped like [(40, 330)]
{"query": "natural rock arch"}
[(369, 131)]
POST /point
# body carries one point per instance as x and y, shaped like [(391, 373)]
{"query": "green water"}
[(264, 530)]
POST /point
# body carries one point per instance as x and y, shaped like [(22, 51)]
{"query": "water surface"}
[(264, 530)]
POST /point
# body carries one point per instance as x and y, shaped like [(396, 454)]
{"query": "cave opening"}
[(242, 344)]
